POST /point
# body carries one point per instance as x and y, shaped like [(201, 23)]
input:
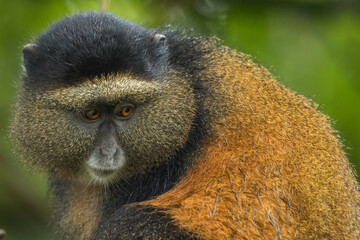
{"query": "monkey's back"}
[(273, 167)]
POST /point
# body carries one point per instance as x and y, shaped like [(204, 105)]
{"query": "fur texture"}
[(217, 148)]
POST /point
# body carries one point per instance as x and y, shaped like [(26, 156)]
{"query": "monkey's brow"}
[(103, 91)]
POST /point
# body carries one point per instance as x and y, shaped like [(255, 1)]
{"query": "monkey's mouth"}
[(101, 174)]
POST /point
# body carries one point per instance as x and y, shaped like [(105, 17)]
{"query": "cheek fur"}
[(49, 140)]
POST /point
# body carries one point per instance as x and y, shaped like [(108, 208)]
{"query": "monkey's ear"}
[(30, 54), (157, 37)]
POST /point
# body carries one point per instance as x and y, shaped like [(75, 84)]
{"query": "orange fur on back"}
[(272, 169)]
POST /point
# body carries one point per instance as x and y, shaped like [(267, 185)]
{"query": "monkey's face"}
[(104, 129)]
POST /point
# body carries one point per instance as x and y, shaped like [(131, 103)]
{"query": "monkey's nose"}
[(108, 151)]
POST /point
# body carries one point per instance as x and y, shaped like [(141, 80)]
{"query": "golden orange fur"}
[(272, 170)]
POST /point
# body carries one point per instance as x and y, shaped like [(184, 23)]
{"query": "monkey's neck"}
[(79, 208)]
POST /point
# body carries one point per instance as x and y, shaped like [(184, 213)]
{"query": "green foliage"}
[(313, 46)]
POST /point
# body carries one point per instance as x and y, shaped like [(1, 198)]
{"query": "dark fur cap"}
[(92, 44)]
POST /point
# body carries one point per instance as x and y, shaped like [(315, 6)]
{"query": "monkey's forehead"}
[(103, 90), (91, 44)]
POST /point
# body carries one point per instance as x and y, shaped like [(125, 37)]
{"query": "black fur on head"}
[(92, 44)]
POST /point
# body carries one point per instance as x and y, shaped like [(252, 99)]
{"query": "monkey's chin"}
[(102, 170), (102, 176)]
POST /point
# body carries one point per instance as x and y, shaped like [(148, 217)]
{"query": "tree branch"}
[(104, 5), (2, 234)]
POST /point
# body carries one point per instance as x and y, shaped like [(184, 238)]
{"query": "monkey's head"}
[(99, 100)]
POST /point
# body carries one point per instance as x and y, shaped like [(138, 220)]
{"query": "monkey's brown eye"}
[(125, 111), (93, 114)]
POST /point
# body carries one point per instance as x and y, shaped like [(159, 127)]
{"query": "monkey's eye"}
[(92, 114), (125, 111)]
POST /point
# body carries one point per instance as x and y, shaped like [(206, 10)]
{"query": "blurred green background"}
[(312, 46)]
